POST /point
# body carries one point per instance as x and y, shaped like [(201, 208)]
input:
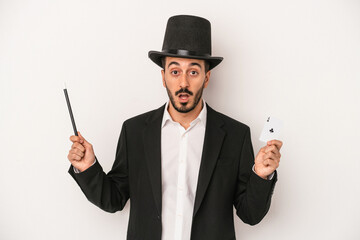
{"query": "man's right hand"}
[(81, 154)]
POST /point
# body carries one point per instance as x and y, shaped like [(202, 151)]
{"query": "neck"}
[(185, 118)]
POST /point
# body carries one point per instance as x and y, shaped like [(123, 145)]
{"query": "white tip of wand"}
[(64, 85)]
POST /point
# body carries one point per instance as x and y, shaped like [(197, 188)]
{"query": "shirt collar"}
[(201, 117)]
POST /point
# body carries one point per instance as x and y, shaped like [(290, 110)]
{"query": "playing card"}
[(271, 129)]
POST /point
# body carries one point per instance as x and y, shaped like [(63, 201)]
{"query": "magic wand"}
[(70, 111)]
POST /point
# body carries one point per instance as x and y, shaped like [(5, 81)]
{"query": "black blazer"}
[(225, 179)]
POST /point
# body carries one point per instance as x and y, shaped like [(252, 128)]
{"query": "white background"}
[(295, 60)]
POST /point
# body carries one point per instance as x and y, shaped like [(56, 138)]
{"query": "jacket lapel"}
[(214, 136), (152, 148)]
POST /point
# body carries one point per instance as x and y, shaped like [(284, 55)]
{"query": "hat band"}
[(182, 52)]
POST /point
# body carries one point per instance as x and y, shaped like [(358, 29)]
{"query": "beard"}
[(185, 107)]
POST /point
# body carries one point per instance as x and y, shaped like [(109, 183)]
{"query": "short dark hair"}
[(207, 65)]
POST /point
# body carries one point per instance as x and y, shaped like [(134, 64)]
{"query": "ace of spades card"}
[(271, 129)]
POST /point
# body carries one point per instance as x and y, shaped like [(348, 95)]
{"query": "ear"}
[(163, 77), (207, 78)]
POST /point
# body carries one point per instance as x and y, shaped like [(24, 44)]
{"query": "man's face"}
[(184, 80)]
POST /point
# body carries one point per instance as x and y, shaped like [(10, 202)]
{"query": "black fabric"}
[(225, 179), (189, 37)]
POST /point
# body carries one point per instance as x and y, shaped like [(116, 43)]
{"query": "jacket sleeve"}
[(253, 193), (109, 192)]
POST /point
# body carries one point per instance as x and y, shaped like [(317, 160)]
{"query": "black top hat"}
[(187, 37)]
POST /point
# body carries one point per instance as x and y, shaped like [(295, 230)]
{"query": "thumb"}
[(83, 141)]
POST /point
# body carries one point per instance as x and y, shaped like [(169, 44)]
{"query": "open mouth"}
[(183, 97)]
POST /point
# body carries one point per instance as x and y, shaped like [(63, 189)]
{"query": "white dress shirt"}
[(181, 152)]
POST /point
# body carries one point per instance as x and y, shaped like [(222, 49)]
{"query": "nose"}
[(184, 83)]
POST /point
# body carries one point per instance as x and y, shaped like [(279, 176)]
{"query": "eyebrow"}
[(191, 64), (195, 64), (175, 63)]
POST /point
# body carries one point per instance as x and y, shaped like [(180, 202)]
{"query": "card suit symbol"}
[(271, 130), (268, 119)]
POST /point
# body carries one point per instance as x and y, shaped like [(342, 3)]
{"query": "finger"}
[(77, 152), (74, 138), (74, 157), (273, 149), (271, 156), (271, 163), (275, 142), (78, 146)]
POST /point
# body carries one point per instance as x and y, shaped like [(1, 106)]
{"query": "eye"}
[(175, 72), (193, 72)]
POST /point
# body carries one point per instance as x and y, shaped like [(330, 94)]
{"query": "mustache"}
[(184, 90)]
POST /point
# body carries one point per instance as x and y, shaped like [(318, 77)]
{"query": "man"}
[(183, 166)]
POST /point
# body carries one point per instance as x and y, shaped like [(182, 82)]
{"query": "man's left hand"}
[(268, 158)]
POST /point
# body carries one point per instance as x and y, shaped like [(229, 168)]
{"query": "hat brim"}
[(156, 56)]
